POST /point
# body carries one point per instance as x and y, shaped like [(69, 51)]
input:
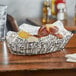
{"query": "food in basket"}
[(24, 34), (28, 36), (42, 32), (49, 29), (47, 40)]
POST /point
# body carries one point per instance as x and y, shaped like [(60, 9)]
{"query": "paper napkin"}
[(71, 57)]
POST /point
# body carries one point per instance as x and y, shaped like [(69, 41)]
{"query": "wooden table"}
[(52, 64), (68, 24)]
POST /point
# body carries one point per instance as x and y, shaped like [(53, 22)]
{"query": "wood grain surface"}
[(51, 61), (72, 42)]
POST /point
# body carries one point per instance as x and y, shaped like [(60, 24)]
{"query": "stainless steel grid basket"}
[(44, 45)]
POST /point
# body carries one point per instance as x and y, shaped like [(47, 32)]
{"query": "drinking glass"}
[(3, 14), (3, 18)]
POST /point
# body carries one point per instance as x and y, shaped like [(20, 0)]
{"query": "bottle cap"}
[(60, 1), (61, 6)]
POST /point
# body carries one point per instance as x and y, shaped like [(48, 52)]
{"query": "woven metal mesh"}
[(44, 45)]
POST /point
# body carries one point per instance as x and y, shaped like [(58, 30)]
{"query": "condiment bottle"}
[(61, 7), (46, 12), (53, 8)]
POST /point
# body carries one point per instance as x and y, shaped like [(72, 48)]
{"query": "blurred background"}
[(22, 9)]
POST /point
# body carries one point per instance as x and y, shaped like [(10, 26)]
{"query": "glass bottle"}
[(53, 8), (46, 12)]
